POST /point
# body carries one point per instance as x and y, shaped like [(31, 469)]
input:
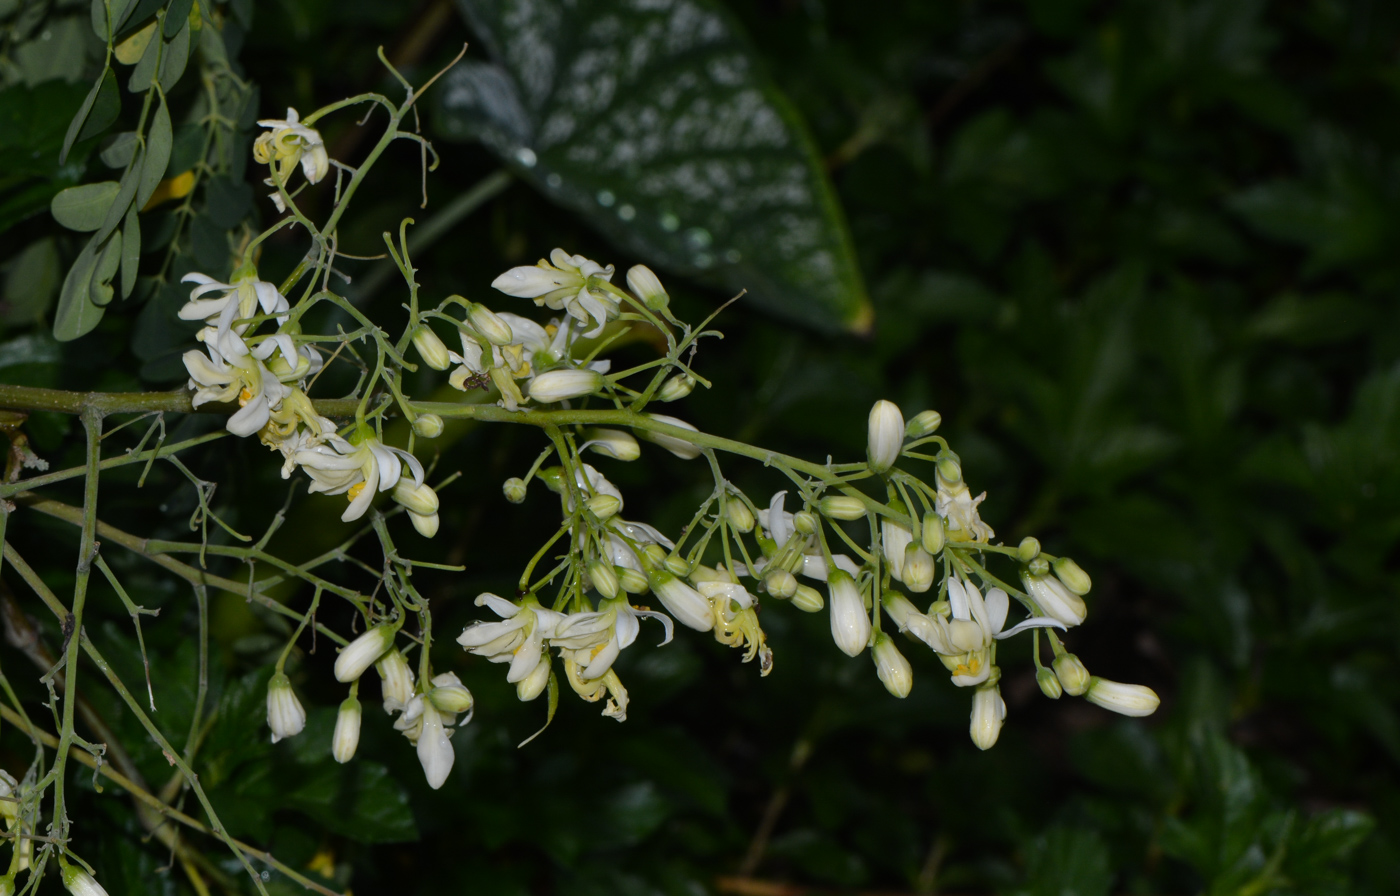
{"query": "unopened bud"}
[(780, 583), (532, 685), (850, 623), (805, 521), (416, 496), (346, 738), (489, 324), (425, 524), (561, 385), (514, 489), (646, 286), (632, 581), (891, 666), (80, 883), (683, 602), (884, 436), (427, 426), (680, 447), (677, 564), (1049, 683), (603, 577), (676, 388), (449, 694), (604, 506), (1127, 699), (924, 423), (988, 713), (655, 555), (1028, 549), (1038, 567), (431, 349), (948, 468), (613, 443), (931, 533), (1073, 676), (918, 569), (740, 517), (356, 657), (1074, 578), (1055, 600), (808, 599), (899, 608), (841, 507)]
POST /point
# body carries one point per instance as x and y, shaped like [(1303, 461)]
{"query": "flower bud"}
[(1028, 549), (1055, 600), (613, 443), (646, 286), (514, 490), (884, 436), (780, 583), (489, 324), (357, 656), (808, 599), (841, 507), (80, 883), (931, 533), (449, 695), (431, 349), (417, 497), (285, 715), (924, 423), (805, 522), (677, 446), (894, 538), (988, 712), (427, 426), (677, 564), (948, 468), (1127, 699), (426, 524), (918, 569), (560, 385), (396, 680), (347, 731), (899, 608), (681, 600), (1049, 683), (891, 666), (603, 577), (1073, 578), (676, 388), (655, 555), (850, 624), (604, 506), (1074, 678), (740, 517), (1038, 567), (632, 581), (532, 685)]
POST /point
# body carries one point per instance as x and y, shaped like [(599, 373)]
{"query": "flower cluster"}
[(286, 144)]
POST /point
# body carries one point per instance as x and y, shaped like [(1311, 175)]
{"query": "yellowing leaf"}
[(177, 187), (129, 51)]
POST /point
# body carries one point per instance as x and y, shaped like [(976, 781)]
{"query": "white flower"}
[(988, 712), (359, 471), (736, 623), (683, 602), (965, 640), (850, 623), (561, 385), (80, 883), (593, 640), (357, 656), (230, 372), (434, 750), (781, 529), (1054, 599), (530, 349), (571, 283), (956, 505), (396, 679), (892, 667), (239, 301), (346, 738), (678, 446), (518, 639), (885, 435), (288, 142), (285, 716), (1128, 699)]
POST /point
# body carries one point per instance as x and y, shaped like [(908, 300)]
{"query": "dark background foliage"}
[(1141, 257)]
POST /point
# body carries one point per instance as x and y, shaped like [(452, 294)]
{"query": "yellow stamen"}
[(244, 397), (355, 490)]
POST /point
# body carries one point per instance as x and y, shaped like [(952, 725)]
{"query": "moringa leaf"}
[(84, 207), (158, 142), (76, 314), (654, 121)]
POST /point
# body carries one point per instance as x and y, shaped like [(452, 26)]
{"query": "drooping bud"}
[(346, 738), (1126, 699), (924, 423), (396, 679), (431, 349), (449, 695), (681, 601), (427, 426), (850, 624), (1074, 578), (434, 750), (532, 685), (561, 385), (1049, 683), (80, 883), (1028, 549), (780, 583), (988, 712), (918, 569), (489, 324), (604, 506), (514, 490), (613, 443), (604, 579), (931, 533), (884, 436), (805, 522), (1073, 676), (417, 497), (676, 388), (1055, 600), (632, 581), (646, 286), (891, 666), (808, 599), (285, 715), (740, 517), (678, 446), (357, 656), (948, 468), (841, 507), (425, 524)]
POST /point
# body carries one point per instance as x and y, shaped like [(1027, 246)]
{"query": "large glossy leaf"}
[(653, 120)]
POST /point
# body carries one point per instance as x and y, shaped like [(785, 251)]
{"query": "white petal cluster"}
[(569, 283), (358, 471), (230, 372), (508, 348), (286, 144)]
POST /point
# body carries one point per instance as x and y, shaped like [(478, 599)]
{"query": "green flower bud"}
[(1074, 578), (1028, 549), (427, 426), (489, 324), (604, 506), (1049, 683), (780, 583), (808, 599), (740, 517), (655, 555), (514, 489), (892, 667), (948, 468), (431, 349), (604, 578), (841, 507), (677, 564), (676, 388), (1073, 676), (632, 581), (924, 423), (931, 533), (805, 522), (1038, 567)]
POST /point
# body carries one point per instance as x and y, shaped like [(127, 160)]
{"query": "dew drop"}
[(670, 223), (606, 198), (554, 180), (626, 212), (526, 156)]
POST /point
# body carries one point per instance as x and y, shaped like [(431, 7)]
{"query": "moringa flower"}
[(519, 638), (988, 713), (239, 301), (289, 142), (570, 283), (341, 467), (285, 715), (230, 372)]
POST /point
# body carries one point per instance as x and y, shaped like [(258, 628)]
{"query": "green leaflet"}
[(84, 207), (656, 124), (76, 314)]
